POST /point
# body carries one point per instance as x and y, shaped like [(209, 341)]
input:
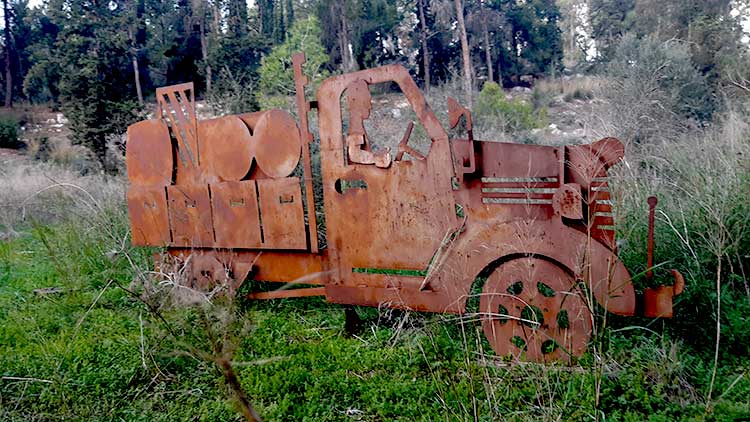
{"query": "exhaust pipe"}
[(657, 301)]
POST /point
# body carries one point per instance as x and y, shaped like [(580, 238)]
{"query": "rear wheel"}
[(531, 309)]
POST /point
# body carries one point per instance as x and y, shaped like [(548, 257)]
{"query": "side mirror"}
[(455, 111), (465, 159)]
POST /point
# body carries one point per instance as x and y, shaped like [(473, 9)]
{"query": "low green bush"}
[(578, 94), (9, 132), (541, 98), (507, 115)]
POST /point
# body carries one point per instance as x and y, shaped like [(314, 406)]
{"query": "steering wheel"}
[(403, 146)]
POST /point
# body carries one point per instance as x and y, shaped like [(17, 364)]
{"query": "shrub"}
[(655, 91), (579, 94), (507, 115), (541, 98), (232, 93), (703, 226), (276, 73), (9, 132)]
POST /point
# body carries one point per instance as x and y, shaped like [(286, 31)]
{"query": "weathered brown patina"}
[(526, 232)]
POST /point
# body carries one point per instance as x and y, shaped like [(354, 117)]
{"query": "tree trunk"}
[(573, 22), (499, 71), (341, 35), (217, 21), (204, 50), (261, 16), (8, 44), (137, 74), (347, 60), (423, 42), (464, 51), (487, 49), (134, 61)]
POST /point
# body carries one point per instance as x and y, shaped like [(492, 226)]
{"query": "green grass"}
[(84, 357)]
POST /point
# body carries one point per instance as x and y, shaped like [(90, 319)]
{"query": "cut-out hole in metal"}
[(343, 185), (532, 317), (518, 342), (502, 313), (549, 346), (562, 319), (515, 288), (545, 289)]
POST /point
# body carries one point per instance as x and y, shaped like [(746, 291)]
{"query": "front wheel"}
[(531, 309)]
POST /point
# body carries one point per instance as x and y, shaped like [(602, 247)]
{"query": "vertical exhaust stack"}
[(657, 301)]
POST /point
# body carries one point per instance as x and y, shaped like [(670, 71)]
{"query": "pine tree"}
[(237, 18), (610, 20), (96, 72), (8, 50), (266, 17), (289, 13)]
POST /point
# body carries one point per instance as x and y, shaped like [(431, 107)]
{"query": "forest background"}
[(670, 78)]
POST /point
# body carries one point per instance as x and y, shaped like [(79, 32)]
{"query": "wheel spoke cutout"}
[(532, 317), (562, 320), (515, 288), (545, 289)]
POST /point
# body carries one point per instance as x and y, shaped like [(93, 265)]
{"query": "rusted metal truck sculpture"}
[(527, 228)]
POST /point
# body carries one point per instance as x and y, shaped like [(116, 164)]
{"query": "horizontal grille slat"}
[(517, 201)]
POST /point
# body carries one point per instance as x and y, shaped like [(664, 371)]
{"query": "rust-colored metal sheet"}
[(149, 221), (405, 227), (531, 308), (281, 214), (190, 215), (657, 301), (226, 148), (303, 108), (236, 215), (286, 294), (149, 154), (206, 272), (176, 105), (277, 143)]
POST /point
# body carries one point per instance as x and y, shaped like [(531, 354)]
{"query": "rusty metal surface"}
[(205, 272), (226, 149), (236, 214), (176, 105), (281, 213), (277, 143), (657, 301), (286, 294), (149, 159), (411, 228), (303, 108), (190, 215), (147, 207), (531, 308)]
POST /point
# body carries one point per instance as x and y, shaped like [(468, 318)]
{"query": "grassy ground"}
[(94, 352)]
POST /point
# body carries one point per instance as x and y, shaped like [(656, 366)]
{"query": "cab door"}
[(384, 222)]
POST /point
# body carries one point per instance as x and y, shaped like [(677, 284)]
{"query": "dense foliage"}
[(8, 132), (671, 78), (101, 60)]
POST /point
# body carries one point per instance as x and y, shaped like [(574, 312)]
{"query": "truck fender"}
[(482, 246)]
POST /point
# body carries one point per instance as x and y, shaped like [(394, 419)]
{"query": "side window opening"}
[(388, 121)]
